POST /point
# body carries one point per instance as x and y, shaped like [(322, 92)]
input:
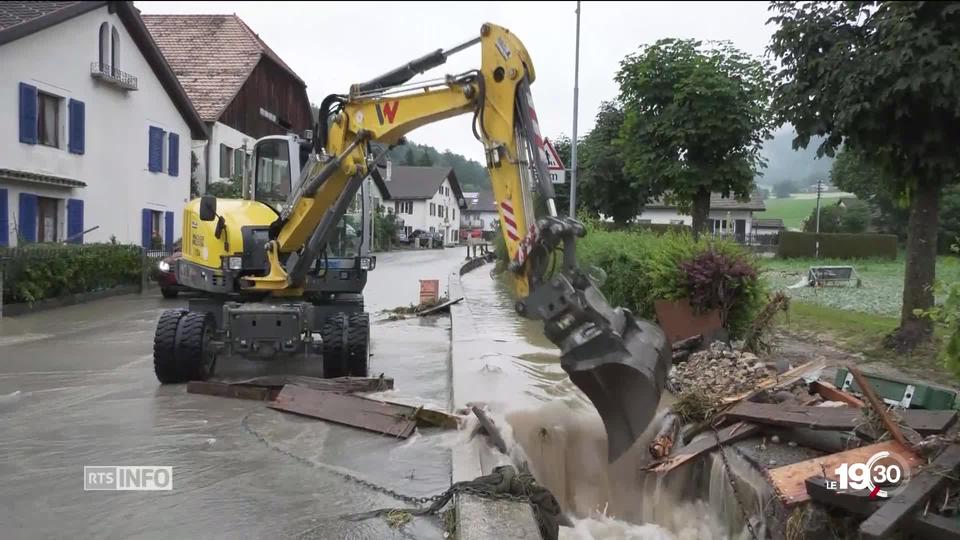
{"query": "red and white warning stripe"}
[(510, 219), (535, 125)]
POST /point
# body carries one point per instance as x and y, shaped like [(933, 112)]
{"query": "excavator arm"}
[(618, 362)]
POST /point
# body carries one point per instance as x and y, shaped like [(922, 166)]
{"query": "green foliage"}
[(471, 174), (604, 187), (853, 217), (785, 188), (424, 160), (838, 246), (695, 117), (232, 189), (409, 158), (194, 180), (948, 313), (37, 272), (385, 229)]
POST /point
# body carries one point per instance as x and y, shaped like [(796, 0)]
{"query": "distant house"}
[(844, 202), (727, 215), (96, 128), (480, 212), (767, 227), (424, 198), (239, 85)]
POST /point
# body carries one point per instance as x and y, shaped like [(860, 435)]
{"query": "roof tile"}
[(16, 13)]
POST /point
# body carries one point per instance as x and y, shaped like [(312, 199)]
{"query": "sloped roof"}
[(212, 56), (481, 201), (768, 223), (19, 19), (418, 182), (719, 202)]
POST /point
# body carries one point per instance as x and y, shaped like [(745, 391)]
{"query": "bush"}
[(37, 272), (854, 217), (837, 246)]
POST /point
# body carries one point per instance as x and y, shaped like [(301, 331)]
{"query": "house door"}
[(740, 230), (46, 219)]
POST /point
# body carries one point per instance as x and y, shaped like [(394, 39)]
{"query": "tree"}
[(424, 160), (231, 189), (856, 217), (409, 159), (785, 189), (695, 119), (853, 217), (878, 78), (603, 185), (194, 178)]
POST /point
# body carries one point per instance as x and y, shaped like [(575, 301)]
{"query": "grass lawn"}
[(793, 210)]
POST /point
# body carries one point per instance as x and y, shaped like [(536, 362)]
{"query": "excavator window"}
[(273, 172), (349, 233)]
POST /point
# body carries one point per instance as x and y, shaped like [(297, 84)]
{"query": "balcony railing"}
[(112, 75)]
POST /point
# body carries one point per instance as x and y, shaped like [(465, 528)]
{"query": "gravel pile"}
[(719, 371)]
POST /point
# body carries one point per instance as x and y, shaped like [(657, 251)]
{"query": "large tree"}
[(696, 116), (604, 187), (880, 79)]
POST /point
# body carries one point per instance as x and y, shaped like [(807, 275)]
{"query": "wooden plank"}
[(877, 405), (339, 384), (228, 390), (705, 444), (789, 480), (443, 306), (347, 409), (920, 487), (429, 417), (856, 502), (833, 418), (830, 392), (934, 527)]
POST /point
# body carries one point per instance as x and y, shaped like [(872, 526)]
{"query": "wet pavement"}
[(77, 388)]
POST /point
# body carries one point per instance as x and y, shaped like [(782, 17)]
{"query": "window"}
[(114, 51), (226, 157), (409, 207), (48, 119), (104, 45), (403, 207), (48, 224), (453, 215), (238, 156), (433, 209), (676, 222), (273, 171), (644, 221)]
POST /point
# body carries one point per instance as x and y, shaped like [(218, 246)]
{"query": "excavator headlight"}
[(234, 263), (367, 263), (164, 266)]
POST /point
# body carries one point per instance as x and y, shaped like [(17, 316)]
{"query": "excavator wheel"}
[(358, 344), (195, 353), (164, 341), (335, 335)]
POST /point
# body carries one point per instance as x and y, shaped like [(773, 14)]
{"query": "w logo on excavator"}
[(389, 110)]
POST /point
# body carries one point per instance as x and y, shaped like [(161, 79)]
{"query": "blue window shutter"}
[(155, 150), (147, 228), (27, 226), (76, 113), (28, 113), (75, 220), (173, 161), (168, 230), (4, 219)]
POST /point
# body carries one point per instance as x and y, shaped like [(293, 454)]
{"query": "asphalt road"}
[(77, 388)]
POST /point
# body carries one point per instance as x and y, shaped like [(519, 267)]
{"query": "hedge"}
[(837, 245), (41, 271), (655, 228)]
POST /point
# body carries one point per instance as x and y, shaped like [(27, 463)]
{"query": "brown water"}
[(553, 429)]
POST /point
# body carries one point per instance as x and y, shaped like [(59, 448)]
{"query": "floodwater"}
[(77, 388), (553, 428)]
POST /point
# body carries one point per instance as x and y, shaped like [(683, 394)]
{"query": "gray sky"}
[(333, 44)]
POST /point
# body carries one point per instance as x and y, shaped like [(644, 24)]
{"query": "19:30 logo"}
[(884, 474)]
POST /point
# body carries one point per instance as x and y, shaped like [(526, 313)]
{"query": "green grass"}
[(792, 211)]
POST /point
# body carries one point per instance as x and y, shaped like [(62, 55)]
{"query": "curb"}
[(478, 518), (13, 310)]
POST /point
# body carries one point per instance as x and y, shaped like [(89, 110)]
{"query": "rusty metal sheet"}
[(679, 321), (789, 480), (386, 418)]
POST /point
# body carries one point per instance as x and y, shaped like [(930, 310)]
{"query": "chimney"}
[(389, 170)]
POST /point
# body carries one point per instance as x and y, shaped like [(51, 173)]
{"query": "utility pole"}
[(573, 142), (819, 191)]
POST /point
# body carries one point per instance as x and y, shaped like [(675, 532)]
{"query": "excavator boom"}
[(618, 362)]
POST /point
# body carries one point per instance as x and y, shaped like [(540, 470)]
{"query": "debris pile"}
[(718, 371)]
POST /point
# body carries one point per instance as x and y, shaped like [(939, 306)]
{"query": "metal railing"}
[(113, 75)]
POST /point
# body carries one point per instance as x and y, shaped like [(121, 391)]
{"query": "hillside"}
[(785, 163)]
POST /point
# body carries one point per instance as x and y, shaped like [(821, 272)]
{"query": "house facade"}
[(96, 129), (241, 88), (480, 213), (727, 216), (423, 198)]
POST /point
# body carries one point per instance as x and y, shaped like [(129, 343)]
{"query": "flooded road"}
[(77, 388), (554, 429)]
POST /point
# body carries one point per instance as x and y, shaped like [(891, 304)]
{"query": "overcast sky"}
[(333, 44)]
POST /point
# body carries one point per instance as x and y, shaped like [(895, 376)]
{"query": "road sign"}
[(558, 174)]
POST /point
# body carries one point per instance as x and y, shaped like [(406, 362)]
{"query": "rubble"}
[(719, 371)]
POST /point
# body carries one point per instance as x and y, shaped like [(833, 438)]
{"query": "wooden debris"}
[(490, 428), (688, 344), (429, 417), (782, 381), (921, 486), (877, 405), (857, 502), (439, 307), (836, 418), (696, 448), (387, 418), (341, 385), (788, 481), (663, 443), (680, 356), (934, 526), (239, 391), (830, 392)]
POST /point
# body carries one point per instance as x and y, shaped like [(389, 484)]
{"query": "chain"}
[(733, 485)]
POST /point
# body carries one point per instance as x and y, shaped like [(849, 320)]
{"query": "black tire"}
[(169, 293), (196, 356), (164, 344), (358, 344), (334, 335)]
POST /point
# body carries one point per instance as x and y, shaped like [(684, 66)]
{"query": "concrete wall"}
[(114, 165)]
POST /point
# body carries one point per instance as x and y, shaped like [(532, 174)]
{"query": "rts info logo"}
[(883, 475)]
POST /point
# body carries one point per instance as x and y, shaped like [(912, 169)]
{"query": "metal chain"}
[(733, 485)]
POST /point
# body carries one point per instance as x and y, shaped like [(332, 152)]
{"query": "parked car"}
[(418, 237), (167, 278)]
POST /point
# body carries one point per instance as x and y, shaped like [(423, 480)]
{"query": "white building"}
[(727, 216), (480, 213), (240, 87), (96, 128), (423, 198)]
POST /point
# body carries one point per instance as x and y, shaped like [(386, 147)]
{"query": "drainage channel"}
[(549, 425)]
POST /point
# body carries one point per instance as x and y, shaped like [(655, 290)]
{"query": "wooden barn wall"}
[(272, 88)]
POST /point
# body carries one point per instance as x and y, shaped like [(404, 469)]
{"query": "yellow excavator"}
[(282, 280)]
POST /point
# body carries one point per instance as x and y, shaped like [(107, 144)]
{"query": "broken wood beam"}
[(680, 356), (830, 392), (440, 307), (877, 405), (662, 444), (934, 527), (341, 385), (387, 418), (490, 428), (698, 447), (917, 491), (688, 343), (922, 421), (257, 393)]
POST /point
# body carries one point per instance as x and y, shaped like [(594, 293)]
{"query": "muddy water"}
[(554, 430)]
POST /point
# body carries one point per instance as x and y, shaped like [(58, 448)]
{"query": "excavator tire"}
[(335, 335), (358, 344), (195, 354), (164, 341)]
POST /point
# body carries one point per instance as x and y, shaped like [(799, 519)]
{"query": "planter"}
[(679, 320)]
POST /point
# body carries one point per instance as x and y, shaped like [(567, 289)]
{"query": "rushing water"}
[(553, 429)]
